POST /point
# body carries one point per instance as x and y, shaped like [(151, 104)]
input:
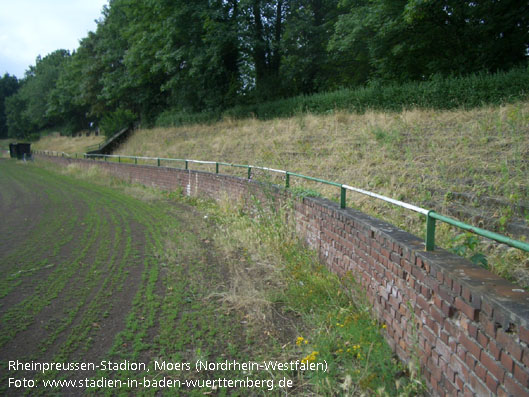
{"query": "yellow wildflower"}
[(310, 358)]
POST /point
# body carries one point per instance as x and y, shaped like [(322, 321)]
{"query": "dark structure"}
[(111, 143), (20, 151)]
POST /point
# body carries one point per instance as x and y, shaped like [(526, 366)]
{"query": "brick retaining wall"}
[(469, 327)]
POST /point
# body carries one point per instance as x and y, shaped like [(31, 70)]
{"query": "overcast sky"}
[(29, 28)]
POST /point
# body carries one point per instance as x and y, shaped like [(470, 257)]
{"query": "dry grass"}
[(423, 157), (67, 144), (391, 153), (253, 261), (419, 156)]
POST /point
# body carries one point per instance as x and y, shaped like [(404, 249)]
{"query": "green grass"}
[(212, 283), (335, 324)]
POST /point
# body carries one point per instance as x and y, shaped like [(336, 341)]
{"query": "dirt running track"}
[(88, 273)]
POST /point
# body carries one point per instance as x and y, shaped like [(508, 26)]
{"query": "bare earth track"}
[(88, 273)]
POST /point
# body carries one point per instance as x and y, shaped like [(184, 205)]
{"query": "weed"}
[(300, 191), (467, 245), (335, 324)]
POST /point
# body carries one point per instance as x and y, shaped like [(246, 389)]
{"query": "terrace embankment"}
[(468, 327)]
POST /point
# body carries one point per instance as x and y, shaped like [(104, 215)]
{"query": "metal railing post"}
[(287, 179), (342, 197), (249, 172), (158, 161), (216, 168), (430, 232), (187, 165)]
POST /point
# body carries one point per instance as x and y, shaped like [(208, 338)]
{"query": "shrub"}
[(116, 121), (436, 93)]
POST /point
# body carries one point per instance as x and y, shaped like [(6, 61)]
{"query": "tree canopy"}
[(147, 56)]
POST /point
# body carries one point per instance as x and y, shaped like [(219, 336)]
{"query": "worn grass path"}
[(88, 273)]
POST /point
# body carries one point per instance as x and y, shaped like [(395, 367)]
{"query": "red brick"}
[(514, 388), (507, 362), (426, 292), (443, 349), (472, 330), (483, 340), (524, 334), (435, 357), (506, 340), (479, 387), (464, 307), (450, 374), (457, 364), (461, 352), (437, 315), (470, 360), (438, 301), (451, 390), (494, 350), (435, 370), (451, 328), (480, 371), (468, 392), (492, 366), (521, 375), (488, 326), (471, 346), (459, 383), (492, 383), (444, 336), (525, 357), (446, 294), (447, 309)]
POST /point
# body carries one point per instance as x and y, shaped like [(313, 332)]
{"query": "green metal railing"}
[(431, 216), (98, 146)]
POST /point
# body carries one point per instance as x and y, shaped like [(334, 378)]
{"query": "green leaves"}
[(206, 57), (27, 111), (8, 86), (113, 122), (466, 245)]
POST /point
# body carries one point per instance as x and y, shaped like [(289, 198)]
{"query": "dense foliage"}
[(155, 58), (8, 87)]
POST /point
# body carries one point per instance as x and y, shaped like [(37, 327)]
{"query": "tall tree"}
[(27, 111), (305, 65), (8, 86), (415, 39), (262, 26)]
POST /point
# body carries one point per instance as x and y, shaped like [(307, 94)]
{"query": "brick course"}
[(473, 327)]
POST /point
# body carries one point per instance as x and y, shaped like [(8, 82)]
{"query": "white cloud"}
[(29, 28)]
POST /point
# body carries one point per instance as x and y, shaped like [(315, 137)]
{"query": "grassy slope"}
[(471, 164), (67, 144), (424, 157)]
